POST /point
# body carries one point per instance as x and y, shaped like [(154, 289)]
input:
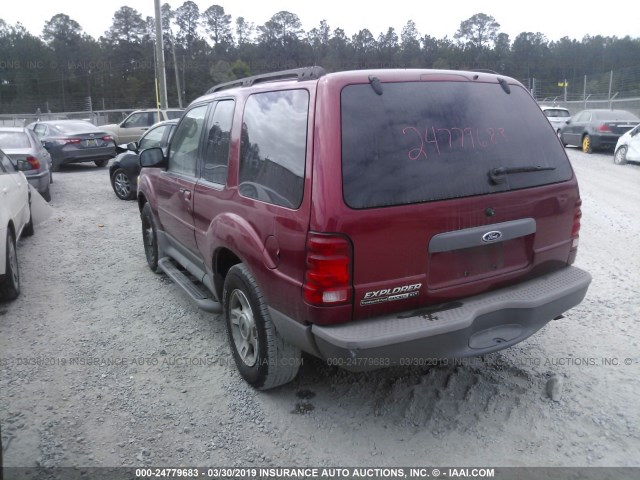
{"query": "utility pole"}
[(175, 69), (161, 78)]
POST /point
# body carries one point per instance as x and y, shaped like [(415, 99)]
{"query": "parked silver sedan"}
[(22, 146)]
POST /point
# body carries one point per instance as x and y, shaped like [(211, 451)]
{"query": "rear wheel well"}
[(11, 227), (141, 201), (223, 260)]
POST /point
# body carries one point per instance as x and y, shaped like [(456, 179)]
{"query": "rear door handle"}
[(186, 192)]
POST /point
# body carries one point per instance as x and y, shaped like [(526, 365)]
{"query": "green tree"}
[(281, 29), (218, 24), (244, 31), (364, 45), (410, 45), (127, 28), (478, 31), (187, 18), (530, 52), (388, 48)]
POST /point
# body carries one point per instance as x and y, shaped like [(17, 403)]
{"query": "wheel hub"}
[(243, 328), (122, 184)]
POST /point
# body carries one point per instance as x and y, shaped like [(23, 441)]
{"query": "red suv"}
[(369, 218)]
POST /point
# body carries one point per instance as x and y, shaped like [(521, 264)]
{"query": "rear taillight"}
[(107, 138), (327, 280), (603, 128), (33, 161), (575, 230), (65, 141)]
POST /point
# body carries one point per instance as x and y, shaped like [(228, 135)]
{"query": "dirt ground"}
[(104, 363)]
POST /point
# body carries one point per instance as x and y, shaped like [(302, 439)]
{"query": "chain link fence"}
[(615, 89), (97, 117)]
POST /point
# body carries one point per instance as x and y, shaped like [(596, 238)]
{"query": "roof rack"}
[(304, 73), (485, 70)]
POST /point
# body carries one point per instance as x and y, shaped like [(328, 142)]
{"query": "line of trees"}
[(65, 69)]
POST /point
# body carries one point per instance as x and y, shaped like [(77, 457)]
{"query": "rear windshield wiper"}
[(499, 174)]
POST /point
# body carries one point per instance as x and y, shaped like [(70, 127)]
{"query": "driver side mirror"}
[(132, 146), (153, 157)]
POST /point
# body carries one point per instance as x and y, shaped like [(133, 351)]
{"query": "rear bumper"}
[(474, 326), (88, 155), (604, 141), (39, 181)]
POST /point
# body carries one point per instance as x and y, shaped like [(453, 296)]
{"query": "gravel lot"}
[(103, 363)]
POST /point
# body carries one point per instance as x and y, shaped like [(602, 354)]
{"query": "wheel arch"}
[(142, 200), (223, 259)]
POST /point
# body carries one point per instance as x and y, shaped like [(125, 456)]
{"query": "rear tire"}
[(122, 185), (620, 157), (28, 228), (47, 194), (10, 286), (586, 144), (262, 356), (149, 237), (101, 163)]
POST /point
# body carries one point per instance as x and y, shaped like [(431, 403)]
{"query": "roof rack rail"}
[(485, 70), (304, 73)]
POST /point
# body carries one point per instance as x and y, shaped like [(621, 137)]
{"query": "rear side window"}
[(153, 138), (143, 119), (216, 159), (428, 141), (173, 114), (273, 147)]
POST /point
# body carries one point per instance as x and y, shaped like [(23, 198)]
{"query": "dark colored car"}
[(125, 168), (74, 141), (597, 129), (22, 145), (370, 218)]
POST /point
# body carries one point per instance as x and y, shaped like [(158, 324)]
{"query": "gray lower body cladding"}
[(473, 326)]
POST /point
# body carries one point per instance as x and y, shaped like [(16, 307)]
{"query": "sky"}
[(554, 19)]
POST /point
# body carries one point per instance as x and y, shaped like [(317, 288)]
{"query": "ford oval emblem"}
[(492, 236)]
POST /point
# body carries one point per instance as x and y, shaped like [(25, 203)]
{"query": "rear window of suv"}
[(427, 141)]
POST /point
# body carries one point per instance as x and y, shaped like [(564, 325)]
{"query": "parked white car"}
[(557, 116), (15, 221), (628, 147)]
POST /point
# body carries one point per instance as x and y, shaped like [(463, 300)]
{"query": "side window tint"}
[(131, 121), (183, 154), (273, 147), (40, 130), (153, 138), (216, 159)]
